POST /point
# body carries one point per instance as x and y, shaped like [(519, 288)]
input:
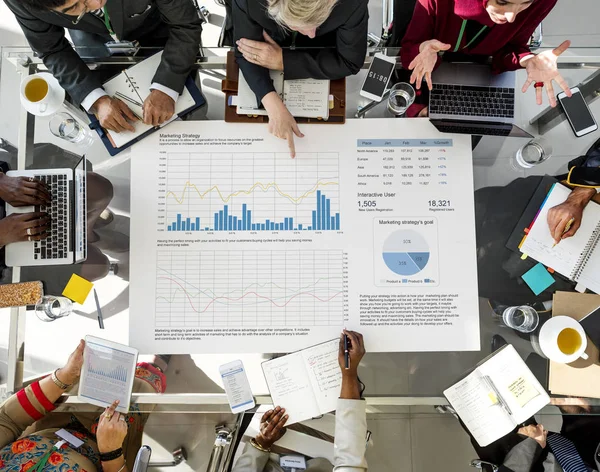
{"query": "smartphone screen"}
[(577, 111), (237, 386), (378, 76), (591, 326)]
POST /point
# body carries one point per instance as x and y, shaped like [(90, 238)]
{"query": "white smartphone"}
[(378, 77), (237, 386), (578, 113)]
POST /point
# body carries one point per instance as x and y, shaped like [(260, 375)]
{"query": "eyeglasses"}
[(80, 16)]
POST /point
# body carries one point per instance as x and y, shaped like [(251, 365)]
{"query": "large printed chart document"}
[(236, 247)]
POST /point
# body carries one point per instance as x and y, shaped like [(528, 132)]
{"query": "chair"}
[(142, 459)]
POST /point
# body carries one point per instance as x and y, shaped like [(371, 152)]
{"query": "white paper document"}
[(236, 247)]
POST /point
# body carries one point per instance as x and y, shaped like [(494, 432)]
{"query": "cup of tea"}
[(39, 94), (563, 340)]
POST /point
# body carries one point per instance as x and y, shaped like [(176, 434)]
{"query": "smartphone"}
[(378, 77), (578, 113), (237, 386), (591, 325)]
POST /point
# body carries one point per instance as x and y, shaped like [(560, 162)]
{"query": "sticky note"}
[(78, 289), (538, 279), (524, 256)]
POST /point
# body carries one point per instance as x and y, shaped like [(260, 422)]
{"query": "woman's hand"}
[(267, 54), (23, 227), (22, 191), (560, 215), (71, 372), (423, 64), (112, 429), (272, 427), (281, 122), (536, 432), (543, 68)]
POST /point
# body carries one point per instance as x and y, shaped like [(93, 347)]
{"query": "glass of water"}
[(402, 95), (521, 318), (533, 153), (51, 308), (64, 125)]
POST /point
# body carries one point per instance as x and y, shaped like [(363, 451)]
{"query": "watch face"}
[(377, 77)]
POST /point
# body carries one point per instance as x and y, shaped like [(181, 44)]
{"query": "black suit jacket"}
[(342, 40), (130, 19)]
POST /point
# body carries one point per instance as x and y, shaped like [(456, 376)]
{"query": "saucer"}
[(33, 108)]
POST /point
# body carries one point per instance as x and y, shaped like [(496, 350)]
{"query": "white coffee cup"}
[(50, 102), (549, 342)]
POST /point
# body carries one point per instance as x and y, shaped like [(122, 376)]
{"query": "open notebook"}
[(578, 257), (304, 98), (498, 395), (306, 383)]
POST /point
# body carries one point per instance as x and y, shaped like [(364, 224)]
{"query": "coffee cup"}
[(40, 94), (563, 340)]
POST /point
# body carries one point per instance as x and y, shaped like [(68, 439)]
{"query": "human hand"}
[(112, 429), (543, 68), (71, 372), (158, 108), (272, 427), (267, 54), (356, 351), (560, 215), (113, 114), (23, 227), (23, 191), (423, 64), (281, 122), (536, 432)]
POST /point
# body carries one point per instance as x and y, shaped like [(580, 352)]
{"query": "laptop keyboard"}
[(55, 245), (467, 100)]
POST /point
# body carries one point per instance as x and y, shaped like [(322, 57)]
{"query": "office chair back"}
[(142, 459)]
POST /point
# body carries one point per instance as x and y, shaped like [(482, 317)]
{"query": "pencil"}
[(567, 228), (100, 319)]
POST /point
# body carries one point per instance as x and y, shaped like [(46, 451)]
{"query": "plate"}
[(33, 108)]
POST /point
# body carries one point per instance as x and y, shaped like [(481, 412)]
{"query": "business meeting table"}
[(30, 348)]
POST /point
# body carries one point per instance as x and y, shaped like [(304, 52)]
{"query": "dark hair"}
[(43, 5)]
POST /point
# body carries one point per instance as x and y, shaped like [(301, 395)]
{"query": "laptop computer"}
[(67, 236), (468, 99)]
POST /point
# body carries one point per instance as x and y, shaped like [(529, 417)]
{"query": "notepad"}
[(304, 98), (78, 289), (538, 278)]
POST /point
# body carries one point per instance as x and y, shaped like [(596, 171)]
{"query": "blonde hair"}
[(300, 13)]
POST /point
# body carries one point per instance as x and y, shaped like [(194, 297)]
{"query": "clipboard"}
[(337, 88)]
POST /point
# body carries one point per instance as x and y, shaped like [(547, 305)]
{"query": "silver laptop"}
[(468, 99), (67, 236)]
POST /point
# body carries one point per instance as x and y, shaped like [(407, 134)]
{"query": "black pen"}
[(346, 351), (100, 319)]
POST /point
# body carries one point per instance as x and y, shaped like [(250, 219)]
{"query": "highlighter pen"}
[(346, 352), (567, 228)]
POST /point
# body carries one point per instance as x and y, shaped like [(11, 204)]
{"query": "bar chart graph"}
[(251, 288), (105, 364), (250, 192)]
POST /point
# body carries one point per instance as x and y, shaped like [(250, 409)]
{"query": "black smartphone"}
[(591, 326)]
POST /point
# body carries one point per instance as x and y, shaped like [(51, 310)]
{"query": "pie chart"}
[(406, 252)]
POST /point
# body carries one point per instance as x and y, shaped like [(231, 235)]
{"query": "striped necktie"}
[(99, 13), (566, 454)]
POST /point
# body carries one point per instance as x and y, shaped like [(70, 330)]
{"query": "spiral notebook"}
[(578, 257)]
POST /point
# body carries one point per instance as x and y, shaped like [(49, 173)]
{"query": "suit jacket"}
[(342, 40), (130, 19), (349, 447)]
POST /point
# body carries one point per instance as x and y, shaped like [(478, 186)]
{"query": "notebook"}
[(497, 396), (132, 86), (578, 257), (304, 98), (306, 383)]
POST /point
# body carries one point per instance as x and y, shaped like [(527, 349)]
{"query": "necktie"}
[(566, 454), (98, 13)]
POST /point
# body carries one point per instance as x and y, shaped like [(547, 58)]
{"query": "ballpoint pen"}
[(121, 97), (100, 319), (501, 400), (567, 228), (346, 352)]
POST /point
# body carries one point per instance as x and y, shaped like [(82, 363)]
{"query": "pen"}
[(501, 400), (118, 97), (346, 352), (128, 99), (567, 228), (100, 320)]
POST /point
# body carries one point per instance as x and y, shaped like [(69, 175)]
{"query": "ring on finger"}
[(28, 238), (122, 418), (108, 416), (256, 57), (29, 231), (31, 179)]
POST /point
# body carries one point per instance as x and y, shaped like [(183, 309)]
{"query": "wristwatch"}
[(58, 382)]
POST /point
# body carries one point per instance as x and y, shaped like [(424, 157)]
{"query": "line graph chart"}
[(251, 288), (249, 192)]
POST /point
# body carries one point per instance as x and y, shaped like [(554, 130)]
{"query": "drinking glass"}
[(533, 153), (51, 308), (521, 318), (402, 95), (64, 125)]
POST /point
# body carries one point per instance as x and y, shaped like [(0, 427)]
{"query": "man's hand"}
[(272, 427), (356, 349), (572, 208), (268, 54), (423, 64), (71, 372), (113, 114), (281, 122), (23, 191), (536, 432), (158, 108), (23, 227)]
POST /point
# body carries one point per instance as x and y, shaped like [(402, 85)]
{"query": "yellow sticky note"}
[(524, 256), (78, 289)]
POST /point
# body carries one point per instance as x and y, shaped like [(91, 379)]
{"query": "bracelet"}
[(258, 446), (110, 456), (59, 384), (122, 467)]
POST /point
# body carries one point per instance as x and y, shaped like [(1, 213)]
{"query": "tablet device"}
[(107, 373)]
